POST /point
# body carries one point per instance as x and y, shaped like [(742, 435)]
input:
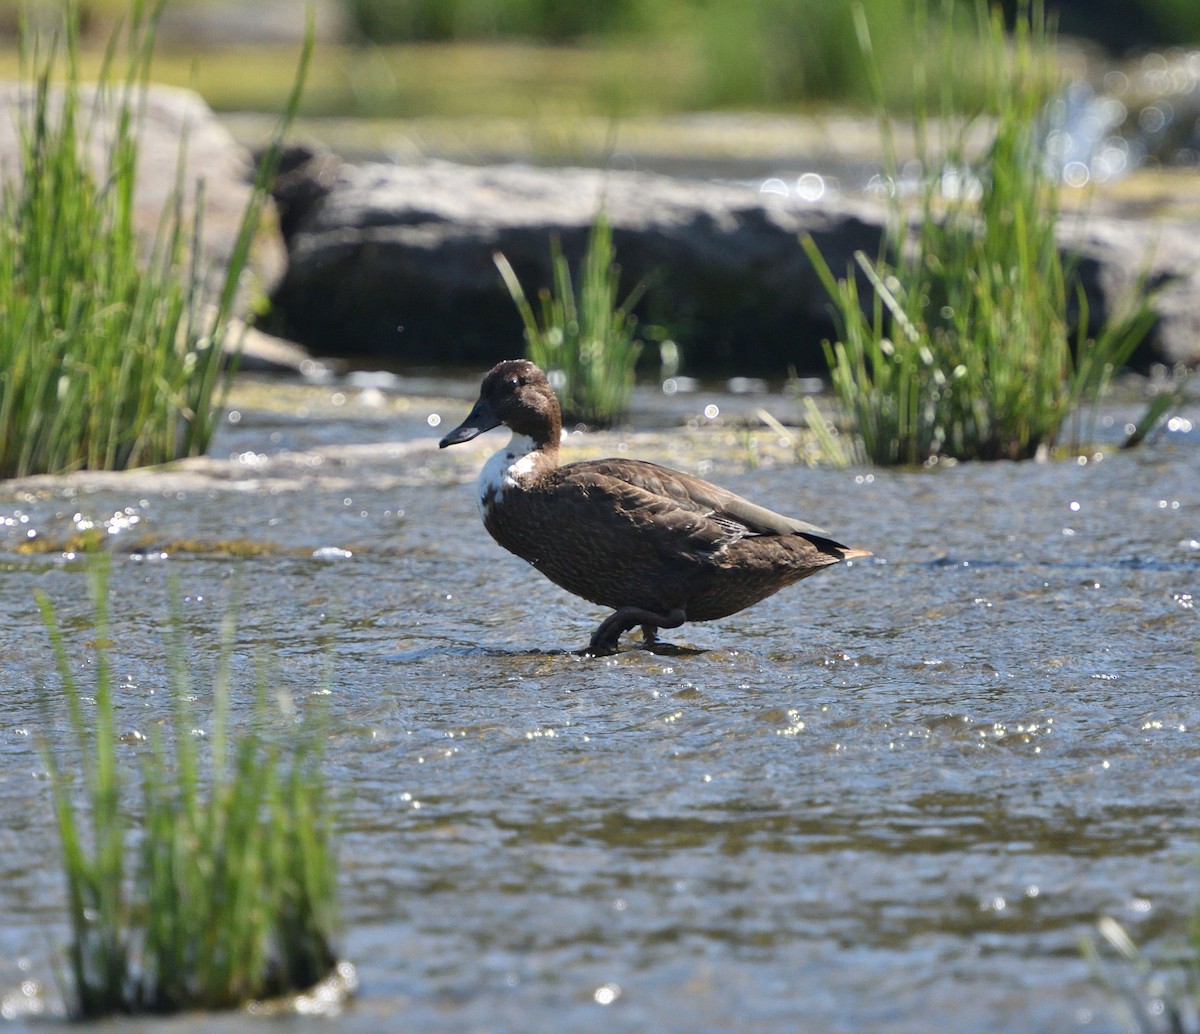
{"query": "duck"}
[(656, 546)]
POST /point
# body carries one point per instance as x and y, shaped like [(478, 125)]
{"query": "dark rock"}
[(396, 263), (302, 179)]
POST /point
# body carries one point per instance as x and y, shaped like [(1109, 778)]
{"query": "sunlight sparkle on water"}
[(972, 678), (121, 520), (607, 994), (810, 186), (331, 553), (27, 1001)]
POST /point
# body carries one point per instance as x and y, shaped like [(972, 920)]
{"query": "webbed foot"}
[(604, 639)]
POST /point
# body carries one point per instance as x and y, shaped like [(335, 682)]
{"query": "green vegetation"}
[(550, 20), (225, 890), (581, 336), (486, 79), (1155, 999), (108, 358), (965, 349), (776, 52), (757, 52), (759, 29), (556, 61)]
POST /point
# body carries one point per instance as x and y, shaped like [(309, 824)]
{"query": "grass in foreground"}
[(966, 348), (1156, 999), (582, 336), (108, 358), (218, 890)]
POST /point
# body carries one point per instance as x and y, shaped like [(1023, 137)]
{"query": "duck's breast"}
[(506, 471)]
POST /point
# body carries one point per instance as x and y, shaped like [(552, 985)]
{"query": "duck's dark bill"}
[(480, 419)]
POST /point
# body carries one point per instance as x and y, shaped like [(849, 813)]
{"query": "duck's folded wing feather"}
[(665, 489), (612, 506)]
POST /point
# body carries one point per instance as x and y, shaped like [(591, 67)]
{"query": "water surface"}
[(892, 798)]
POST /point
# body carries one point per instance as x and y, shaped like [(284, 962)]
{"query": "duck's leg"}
[(604, 639)]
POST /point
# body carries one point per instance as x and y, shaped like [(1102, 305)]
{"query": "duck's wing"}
[(677, 497), (636, 513)]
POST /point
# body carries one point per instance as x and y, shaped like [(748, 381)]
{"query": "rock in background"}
[(396, 263)]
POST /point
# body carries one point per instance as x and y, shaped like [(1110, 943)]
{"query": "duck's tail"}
[(835, 550), (853, 554)]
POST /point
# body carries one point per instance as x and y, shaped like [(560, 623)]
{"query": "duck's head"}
[(517, 394)]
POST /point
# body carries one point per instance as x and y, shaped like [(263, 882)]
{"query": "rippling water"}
[(892, 798)]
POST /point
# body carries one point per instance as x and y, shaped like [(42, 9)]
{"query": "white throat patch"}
[(504, 470)]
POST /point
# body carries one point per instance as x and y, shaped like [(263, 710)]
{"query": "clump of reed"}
[(966, 347), (111, 352), (220, 888), (580, 334)]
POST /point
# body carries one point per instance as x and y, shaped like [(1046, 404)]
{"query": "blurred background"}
[(559, 59)]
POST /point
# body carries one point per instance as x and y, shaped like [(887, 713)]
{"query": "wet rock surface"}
[(397, 262)]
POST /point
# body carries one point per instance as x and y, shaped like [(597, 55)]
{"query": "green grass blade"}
[(107, 361), (229, 892), (968, 354), (580, 334)]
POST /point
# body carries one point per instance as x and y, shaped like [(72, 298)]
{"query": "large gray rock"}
[(397, 262), (1118, 256), (176, 126)]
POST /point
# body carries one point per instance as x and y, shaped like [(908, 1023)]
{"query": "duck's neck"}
[(513, 467)]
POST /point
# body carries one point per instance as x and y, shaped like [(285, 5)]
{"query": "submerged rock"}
[(396, 262)]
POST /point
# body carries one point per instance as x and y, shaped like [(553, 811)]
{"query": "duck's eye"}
[(516, 382)]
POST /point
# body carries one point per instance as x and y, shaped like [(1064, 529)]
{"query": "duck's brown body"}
[(658, 546), (628, 533)]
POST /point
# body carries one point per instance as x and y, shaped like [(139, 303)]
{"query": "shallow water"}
[(892, 798)]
